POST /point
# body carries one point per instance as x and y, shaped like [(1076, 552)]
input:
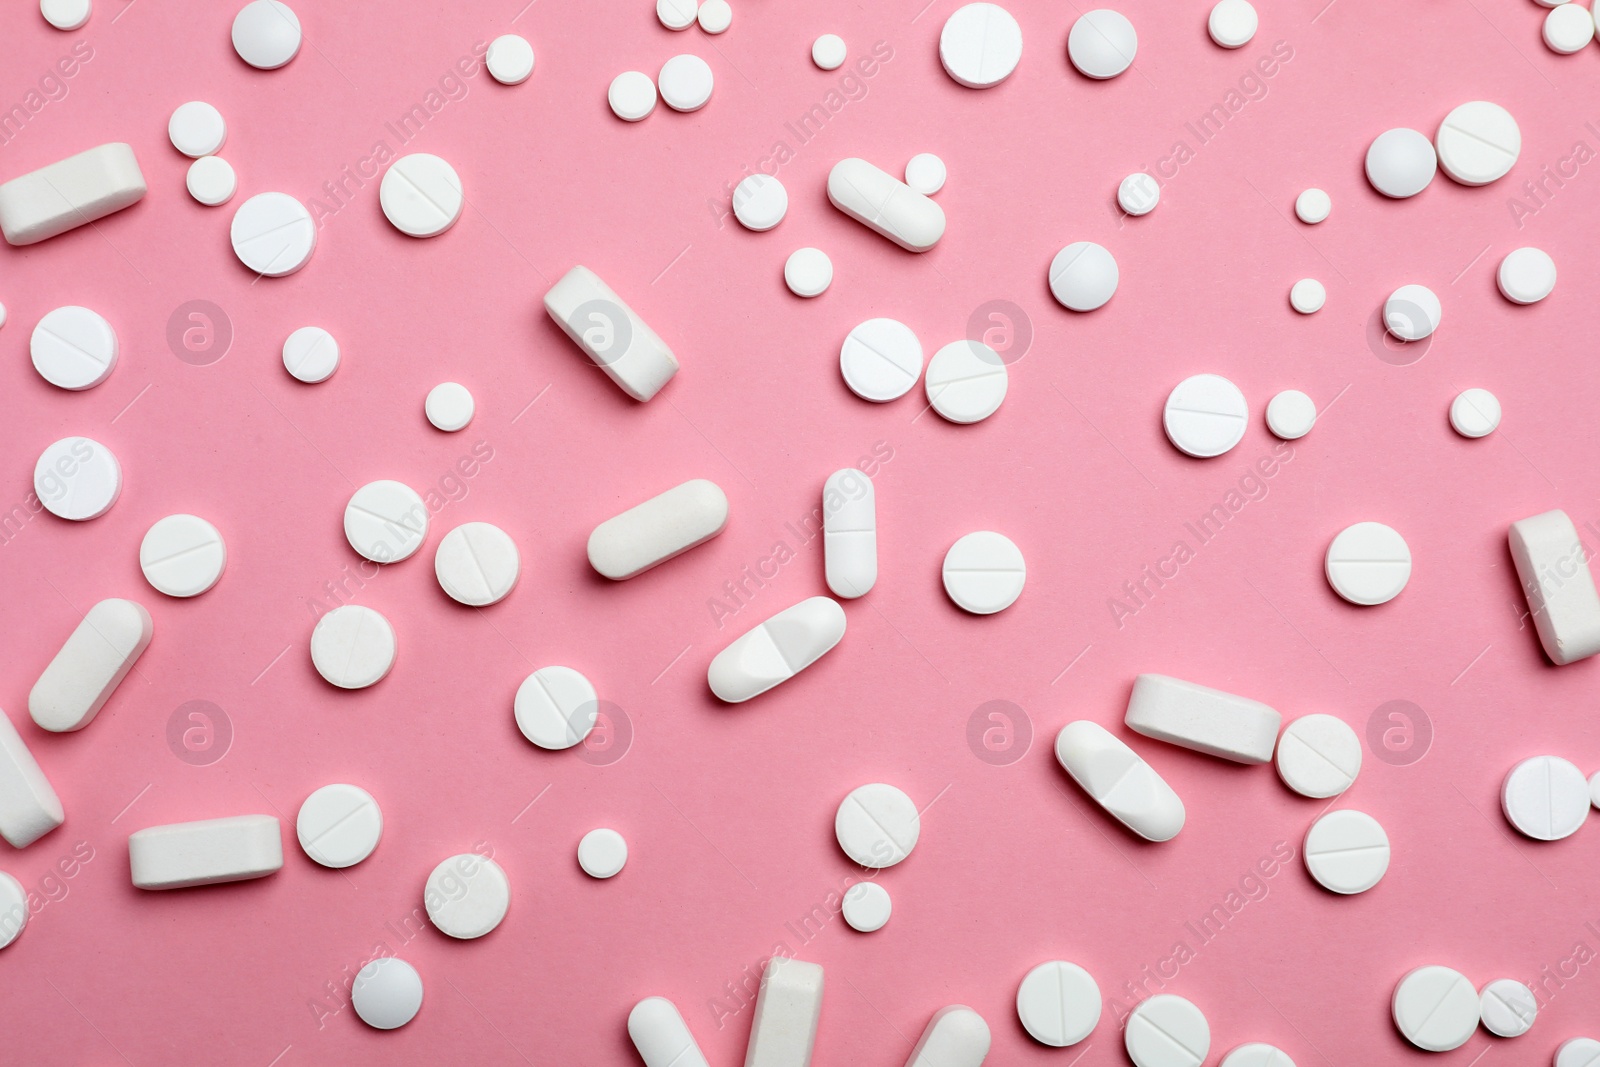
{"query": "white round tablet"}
[(556, 707), (477, 564), (602, 853), (1313, 206), (266, 34), (1401, 163), (1291, 414), (273, 233), (1568, 29), (1436, 1008), (449, 406), (1368, 563), (421, 195), (1526, 275), (385, 521), (65, 14), (984, 572), (1102, 44), (182, 555), (1478, 143), (13, 909), (980, 45), (1578, 1052), (877, 825), (1083, 276), (677, 14), (73, 348), (1307, 296), (632, 95), (1058, 1003), (1205, 416), (808, 272), (77, 478), (1412, 312), (866, 907), (715, 16), (1256, 1054), (1347, 851), (1167, 1031), (881, 360), (467, 896), (1475, 413), (387, 993), (1232, 23), (829, 51), (966, 381), (197, 129), (1545, 798), (211, 181), (1318, 756), (339, 825), (1138, 194), (509, 59), (1507, 1007), (686, 82), (352, 647), (759, 202), (925, 173), (311, 354)]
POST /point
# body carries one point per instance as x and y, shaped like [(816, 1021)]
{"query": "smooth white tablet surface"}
[(1119, 781), (182, 555), (759, 202), (387, 993), (509, 59), (877, 825), (1102, 44), (1568, 29), (883, 203), (477, 564), (777, 650), (677, 14), (1401, 162), (1578, 1052), (65, 14), (1507, 1007), (867, 907), (77, 478), (1313, 206), (686, 82), (1526, 275), (1546, 798), (352, 647), (788, 1008), (556, 707), (956, 1036), (1167, 1031), (1319, 756), (311, 355), (385, 521), (984, 572), (610, 333), (73, 348), (1347, 851), (881, 359), (850, 533), (829, 51), (211, 181), (925, 173), (421, 195), (1138, 193), (1552, 568), (663, 527), (273, 233), (602, 853), (1206, 720), (69, 193), (1257, 1054), (661, 1036), (89, 666), (632, 95), (339, 825), (197, 129), (467, 896), (1083, 276), (808, 272), (207, 852), (1291, 414), (980, 45), (1368, 563), (29, 807), (1232, 23), (1436, 1008), (1478, 143), (1475, 413), (266, 34), (1058, 1003), (715, 16), (13, 909), (1205, 416), (966, 381), (449, 406), (1307, 296), (1412, 312)]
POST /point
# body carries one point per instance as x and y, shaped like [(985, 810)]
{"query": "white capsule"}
[(776, 650), (663, 527), (882, 202), (850, 533)]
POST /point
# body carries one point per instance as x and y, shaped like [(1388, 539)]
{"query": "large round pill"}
[(197, 129), (1578, 1052), (881, 360), (632, 95), (877, 825), (1401, 163), (1256, 1054), (421, 195), (266, 34), (273, 234), (339, 825), (1167, 1031), (686, 82), (1347, 852), (1102, 43), (980, 45), (1526, 275), (1205, 416), (385, 521), (1546, 798), (984, 572), (77, 478), (1368, 563), (677, 14), (477, 564), (1412, 312), (1478, 143), (1436, 1008), (509, 59), (353, 647), (1568, 29), (311, 354), (1507, 1007), (1083, 276), (182, 555), (387, 993), (467, 896), (556, 707), (966, 381), (73, 348), (1475, 413), (1318, 756), (1058, 1003)]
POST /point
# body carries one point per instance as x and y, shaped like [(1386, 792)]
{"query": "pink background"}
[(728, 810)]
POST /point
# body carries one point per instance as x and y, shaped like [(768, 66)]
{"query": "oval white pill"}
[(1256, 1054), (211, 181), (353, 647), (759, 202), (925, 173), (77, 478), (339, 825), (877, 825), (1205, 416), (1347, 851), (883, 203), (1083, 276), (385, 521), (776, 650), (1478, 143), (1102, 44), (1412, 312), (1436, 1008), (556, 707), (421, 195), (632, 95), (829, 51), (866, 907), (266, 34), (966, 381), (1319, 756), (1507, 1008), (984, 572), (980, 45), (1167, 1031), (1291, 414), (13, 909), (1138, 194), (1232, 23), (1546, 798), (881, 360), (477, 564), (1313, 206), (1401, 162), (387, 993), (1368, 563), (273, 234), (1122, 783), (467, 896), (449, 406), (73, 348), (1578, 1052), (602, 853), (1475, 413), (182, 555), (197, 129), (1526, 275), (677, 14), (509, 59), (686, 82), (715, 16), (311, 355), (1308, 296), (808, 272), (1568, 29), (65, 14), (1058, 1003)]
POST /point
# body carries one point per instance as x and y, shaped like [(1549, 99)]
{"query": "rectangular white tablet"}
[(29, 808), (850, 533), (617, 339), (1206, 720), (1553, 567), (882, 202), (205, 852), (664, 526), (787, 1010), (96, 657), (70, 193)]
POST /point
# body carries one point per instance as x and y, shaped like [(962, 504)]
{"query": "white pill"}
[(1368, 563), (808, 272), (208, 852), (1553, 568), (1475, 413), (13, 909), (715, 16), (421, 195), (98, 654), (197, 129), (1412, 312), (1083, 276), (273, 233), (632, 95), (1568, 29), (1546, 798), (1507, 1007), (677, 14), (1307, 296), (1119, 781), (73, 348), (1167, 1031), (182, 555), (449, 406), (881, 359), (1102, 44), (477, 564), (661, 1036), (829, 51), (1205, 720), (311, 354), (385, 521), (1205, 416), (984, 572), (850, 533), (266, 34), (966, 381), (877, 825), (387, 993), (686, 82), (1232, 23), (556, 707), (925, 173), (339, 825), (77, 478), (956, 1036), (602, 853), (509, 59), (1478, 143), (1594, 789), (1526, 275), (881, 202), (2, 314), (467, 896), (777, 650), (1291, 414), (788, 1008), (1059, 1003), (759, 202), (980, 45), (867, 907), (591, 313), (1436, 1008), (211, 181), (72, 192), (29, 807), (1138, 193), (1347, 851), (352, 647), (1313, 206), (1578, 1052), (667, 525), (1401, 162), (1319, 756), (65, 14), (1256, 1054)]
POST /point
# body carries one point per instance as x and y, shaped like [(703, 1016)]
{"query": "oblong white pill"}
[(266, 34), (386, 993), (881, 359), (1083, 276), (956, 1036), (1553, 569), (1119, 781), (1436, 1008), (667, 525), (1058, 1003), (1205, 416), (29, 807), (70, 193), (866, 907), (1401, 163), (1478, 143), (1368, 563), (477, 564), (77, 478), (1412, 312), (353, 647), (556, 707), (1475, 413), (273, 234), (777, 650), (311, 354), (686, 82), (984, 572), (1545, 798), (677, 14), (385, 521), (421, 195), (197, 129), (1205, 720), (1526, 275), (1313, 206), (966, 382), (850, 533), (760, 202), (632, 95), (877, 825), (885, 204), (661, 1036), (65, 15), (1102, 44), (73, 348), (1167, 1031), (13, 909), (1568, 29), (1138, 194), (829, 51), (1507, 1007), (808, 272), (602, 853), (925, 173), (788, 1008), (1232, 23), (1347, 851), (1291, 414), (591, 313), (98, 654), (339, 825), (449, 406), (715, 16), (980, 45), (1256, 1054), (1308, 296), (509, 59), (1319, 756), (467, 896), (207, 852), (182, 555), (211, 181)]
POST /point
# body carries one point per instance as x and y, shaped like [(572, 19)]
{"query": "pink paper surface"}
[(728, 811)]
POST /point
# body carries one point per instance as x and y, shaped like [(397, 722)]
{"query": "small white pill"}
[(352, 647), (339, 825), (1119, 781), (1167, 1031), (1507, 1007), (677, 14), (956, 1036), (1368, 563), (715, 16), (65, 14), (759, 202), (89, 666), (883, 203), (850, 533), (77, 478), (1313, 206), (273, 234), (602, 853), (925, 173), (662, 528), (877, 825), (1102, 44), (1475, 413), (311, 355), (1401, 162), (1347, 851), (1291, 414), (421, 195), (808, 272), (1478, 143), (13, 909), (1256, 1054), (1083, 276), (881, 360), (1319, 756), (467, 896), (1138, 194), (73, 348), (980, 45), (1206, 720), (686, 82), (1436, 1008), (1568, 29), (1412, 312), (509, 59), (1578, 1052), (1546, 798), (829, 51), (449, 406), (632, 95), (556, 707), (182, 555), (385, 521), (1526, 275), (966, 381), (1205, 416), (197, 129), (29, 807), (266, 34), (387, 993), (867, 907), (211, 181), (1232, 23), (1307, 296), (984, 572), (477, 564), (207, 852), (1058, 1003), (661, 1036), (776, 650)]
